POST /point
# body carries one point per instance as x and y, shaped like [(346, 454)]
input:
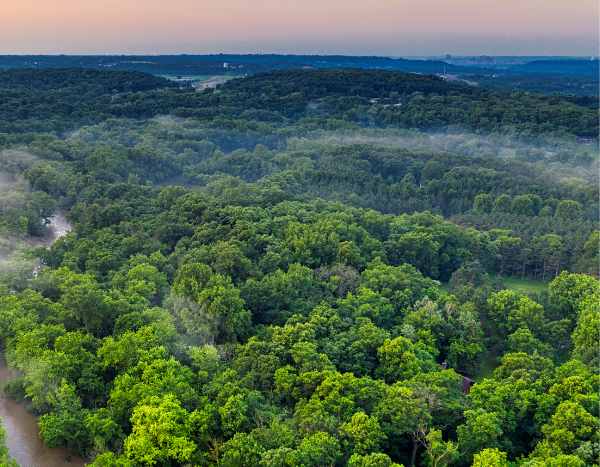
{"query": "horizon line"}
[(201, 54)]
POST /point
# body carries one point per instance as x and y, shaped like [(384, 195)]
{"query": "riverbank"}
[(22, 434)]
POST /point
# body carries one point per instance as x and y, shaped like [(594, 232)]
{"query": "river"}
[(22, 434)]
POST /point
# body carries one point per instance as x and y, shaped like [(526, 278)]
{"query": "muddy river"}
[(22, 434)]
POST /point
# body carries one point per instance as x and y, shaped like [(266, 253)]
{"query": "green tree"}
[(65, 425), (402, 285), (279, 294), (439, 453), (363, 433), (482, 429), (104, 431), (490, 457), (568, 210), (378, 459), (502, 203), (586, 335), (400, 359), (154, 375), (318, 449), (524, 205), (567, 290), (483, 203), (208, 305), (402, 413), (241, 450), (160, 433), (570, 426), (81, 294)]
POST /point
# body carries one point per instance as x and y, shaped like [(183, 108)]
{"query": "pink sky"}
[(384, 27)]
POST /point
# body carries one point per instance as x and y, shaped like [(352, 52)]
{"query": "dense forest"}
[(301, 268), (365, 98), (567, 76)]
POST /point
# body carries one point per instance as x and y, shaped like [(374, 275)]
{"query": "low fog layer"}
[(561, 158)]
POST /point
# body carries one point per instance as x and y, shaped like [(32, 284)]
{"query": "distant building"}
[(466, 384)]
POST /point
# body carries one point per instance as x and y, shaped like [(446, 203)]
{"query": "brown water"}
[(22, 434)]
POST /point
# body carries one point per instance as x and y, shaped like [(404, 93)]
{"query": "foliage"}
[(278, 273)]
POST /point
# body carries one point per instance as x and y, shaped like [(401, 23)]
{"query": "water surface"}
[(22, 433)]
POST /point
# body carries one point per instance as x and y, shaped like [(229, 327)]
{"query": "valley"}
[(296, 267)]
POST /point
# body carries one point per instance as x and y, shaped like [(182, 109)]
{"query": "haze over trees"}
[(303, 268)]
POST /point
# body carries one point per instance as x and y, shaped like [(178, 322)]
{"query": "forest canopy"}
[(301, 268)]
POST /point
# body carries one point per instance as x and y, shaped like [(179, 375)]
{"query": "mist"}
[(563, 159)]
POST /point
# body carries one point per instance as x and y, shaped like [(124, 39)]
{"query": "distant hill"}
[(191, 65), (347, 82), (568, 76), (564, 67), (85, 81), (59, 100)]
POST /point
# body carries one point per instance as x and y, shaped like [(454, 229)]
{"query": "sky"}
[(352, 27)]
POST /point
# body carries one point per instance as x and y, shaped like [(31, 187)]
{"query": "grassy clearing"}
[(521, 285), (190, 77), (528, 286)]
